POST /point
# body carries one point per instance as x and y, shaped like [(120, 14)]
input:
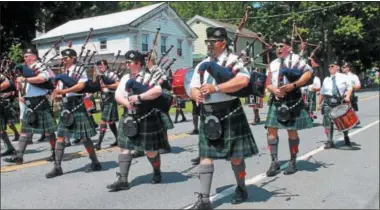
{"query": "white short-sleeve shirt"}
[(343, 83), (32, 90), (217, 97), (83, 78), (354, 78), (121, 87)]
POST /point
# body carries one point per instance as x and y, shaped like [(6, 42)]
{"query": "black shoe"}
[(347, 141), (240, 196), (194, 132), (274, 169), (41, 139), (292, 168), (52, 157), (68, 144), (196, 161), (30, 141), (201, 204), (175, 122), (76, 141), (257, 120), (94, 167), (183, 120), (17, 136), (137, 154), (14, 159), (156, 177), (119, 184), (114, 144), (8, 152), (97, 146), (56, 171), (329, 144)]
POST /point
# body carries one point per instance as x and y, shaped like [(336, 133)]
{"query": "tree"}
[(15, 53)]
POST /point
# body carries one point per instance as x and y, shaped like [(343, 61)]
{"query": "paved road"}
[(334, 178)]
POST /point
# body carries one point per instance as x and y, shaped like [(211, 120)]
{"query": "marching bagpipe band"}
[(222, 74)]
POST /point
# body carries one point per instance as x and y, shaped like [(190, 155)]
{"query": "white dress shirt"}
[(354, 78), (83, 78), (217, 97), (343, 83)]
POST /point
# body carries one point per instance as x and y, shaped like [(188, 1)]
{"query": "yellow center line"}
[(9, 168)]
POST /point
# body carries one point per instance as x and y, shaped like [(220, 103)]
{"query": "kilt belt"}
[(107, 96)]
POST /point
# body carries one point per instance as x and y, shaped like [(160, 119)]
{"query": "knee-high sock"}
[(102, 132), (125, 164), (239, 171), (273, 148), (205, 175), (90, 149), (345, 133), (14, 129), (182, 114), (113, 129), (293, 147), (7, 143), (167, 145), (59, 151), (52, 139), (329, 131), (195, 122), (22, 143), (155, 162), (176, 115)]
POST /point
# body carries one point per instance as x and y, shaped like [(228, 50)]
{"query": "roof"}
[(216, 23), (99, 22)]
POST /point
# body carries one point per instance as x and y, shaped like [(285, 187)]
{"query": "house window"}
[(163, 44), (145, 39), (179, 47), (103, 44)]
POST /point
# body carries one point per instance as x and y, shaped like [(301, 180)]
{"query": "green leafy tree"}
[(15, 53)]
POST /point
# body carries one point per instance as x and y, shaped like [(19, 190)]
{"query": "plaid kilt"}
[(312, 97), (326, 115), (165, 120), (82, 128), (109, 111), (238, 141), (45, 119), (150, 138), (12, 111), (301, 122)]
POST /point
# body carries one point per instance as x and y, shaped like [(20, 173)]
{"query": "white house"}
[(132, 29), (199, 24)]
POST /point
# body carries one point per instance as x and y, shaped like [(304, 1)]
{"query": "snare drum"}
[(181, 82), (88, 104), (344, 117)]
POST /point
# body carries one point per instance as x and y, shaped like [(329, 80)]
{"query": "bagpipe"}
[(148, 78), (293, 72), (222, 73), (5, 75), (81, 67)]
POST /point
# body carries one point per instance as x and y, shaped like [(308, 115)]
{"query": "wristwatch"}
[(139, 98), (217, 88), (294, 85)]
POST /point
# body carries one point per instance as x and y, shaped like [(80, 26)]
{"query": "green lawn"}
[(97, 116)]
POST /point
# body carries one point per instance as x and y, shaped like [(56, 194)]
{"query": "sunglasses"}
[(345, 66), (212, 41), (330, 66), (280, 46)]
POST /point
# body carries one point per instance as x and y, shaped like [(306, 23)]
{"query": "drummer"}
[(335, 88)]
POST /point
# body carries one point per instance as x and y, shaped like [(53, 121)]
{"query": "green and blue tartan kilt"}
[(12, 111), (82, 128), (326, 115), (166, 120), (45, 123), (238, 141), (109, 112), (301, 122), (312, 97), (151, 135)]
